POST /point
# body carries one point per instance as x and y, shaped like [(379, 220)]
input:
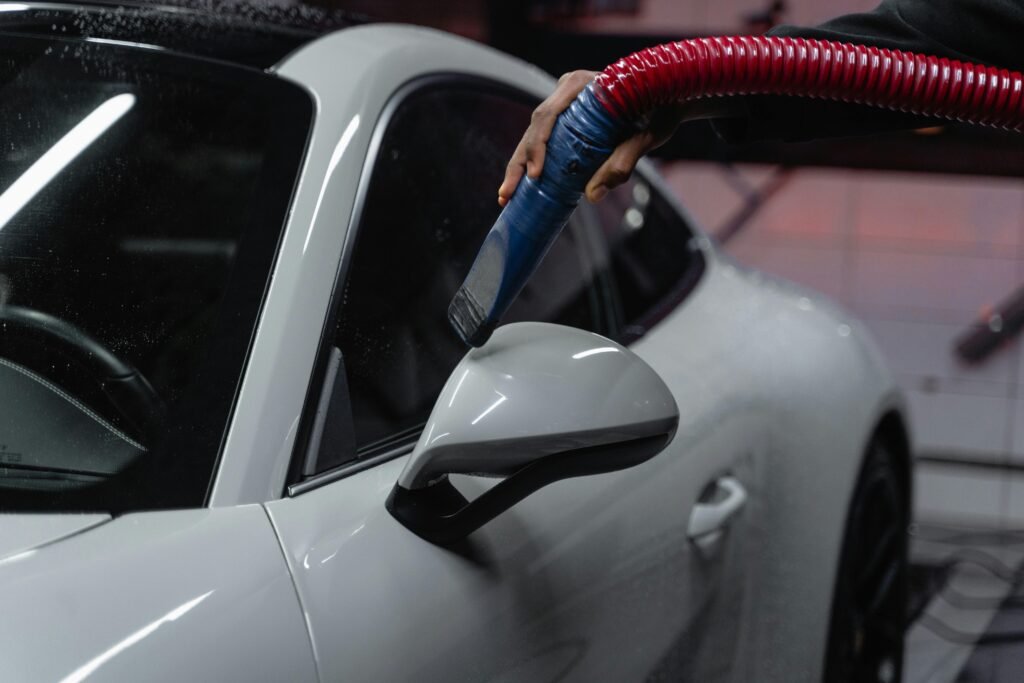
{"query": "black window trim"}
[(295, 483), (699, 243), (680, 291), (671, 299)]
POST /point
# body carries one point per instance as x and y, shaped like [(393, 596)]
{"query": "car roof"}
[(243, 33)]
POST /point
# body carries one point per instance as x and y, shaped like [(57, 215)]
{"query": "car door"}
[(589, 579), (144, 194)]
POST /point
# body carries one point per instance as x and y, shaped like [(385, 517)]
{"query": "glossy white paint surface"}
[(351, 74), (589, 579), (22, 533), (532, 390), (603, 564), (593, 578), (199, 595)]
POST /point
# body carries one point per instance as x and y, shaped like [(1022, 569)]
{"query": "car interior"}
[(123, 256)]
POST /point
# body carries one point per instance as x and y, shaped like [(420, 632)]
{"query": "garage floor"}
[(966, 606)]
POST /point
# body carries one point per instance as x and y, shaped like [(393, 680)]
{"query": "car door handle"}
[(709, 518)]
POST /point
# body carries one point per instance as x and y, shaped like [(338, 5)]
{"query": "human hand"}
[(528, 157)]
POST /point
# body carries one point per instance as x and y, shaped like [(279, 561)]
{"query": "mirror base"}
[(439, 514)]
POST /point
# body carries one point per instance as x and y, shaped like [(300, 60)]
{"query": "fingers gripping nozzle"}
[(604, 114), (583, 137)]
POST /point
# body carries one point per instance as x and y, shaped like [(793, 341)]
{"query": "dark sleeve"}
[(983, 31)]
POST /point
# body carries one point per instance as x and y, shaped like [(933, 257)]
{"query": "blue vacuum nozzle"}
[(583, 137)]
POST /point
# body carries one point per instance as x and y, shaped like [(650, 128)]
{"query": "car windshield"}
[(142, 196)]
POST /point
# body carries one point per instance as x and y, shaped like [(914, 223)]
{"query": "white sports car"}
[(226, 254)]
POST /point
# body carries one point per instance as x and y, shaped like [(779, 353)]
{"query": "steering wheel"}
[(128, 390)]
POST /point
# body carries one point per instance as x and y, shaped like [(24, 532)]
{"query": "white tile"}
[(1015, 348), (940, 213), (810, 207), (946, 288), (1015, 504), (951, 495), (958, 386), (969, 427), (1017, 440), (704, 191), (925, 352)]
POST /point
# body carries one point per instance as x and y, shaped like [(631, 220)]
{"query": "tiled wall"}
[(918, 258)]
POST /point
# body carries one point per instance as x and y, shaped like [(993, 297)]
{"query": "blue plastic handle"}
[(583, 138)]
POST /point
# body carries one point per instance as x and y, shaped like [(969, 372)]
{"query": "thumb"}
[(619, 166)]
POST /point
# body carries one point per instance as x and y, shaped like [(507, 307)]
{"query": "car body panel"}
[(23, 533), (578, 570), (161, 596), (731, 345), (822, 387), (350, 96), (563, 532), (572, 558), (588, 579)]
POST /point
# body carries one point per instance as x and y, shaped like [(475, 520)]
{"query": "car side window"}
[(653, 259), (429, 204)]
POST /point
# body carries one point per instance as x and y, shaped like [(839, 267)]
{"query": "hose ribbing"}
[(748, 65), (609, 109)]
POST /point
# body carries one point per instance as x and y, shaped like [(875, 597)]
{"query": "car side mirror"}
[(535, 404)]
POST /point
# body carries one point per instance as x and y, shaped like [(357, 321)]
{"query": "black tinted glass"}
[(654, 259), (431, 201), (141, 200)]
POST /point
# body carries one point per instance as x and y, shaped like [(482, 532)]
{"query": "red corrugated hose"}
[(746, 65), (618, 100)]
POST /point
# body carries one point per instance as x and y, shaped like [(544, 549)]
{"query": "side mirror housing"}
[(536, 404)]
